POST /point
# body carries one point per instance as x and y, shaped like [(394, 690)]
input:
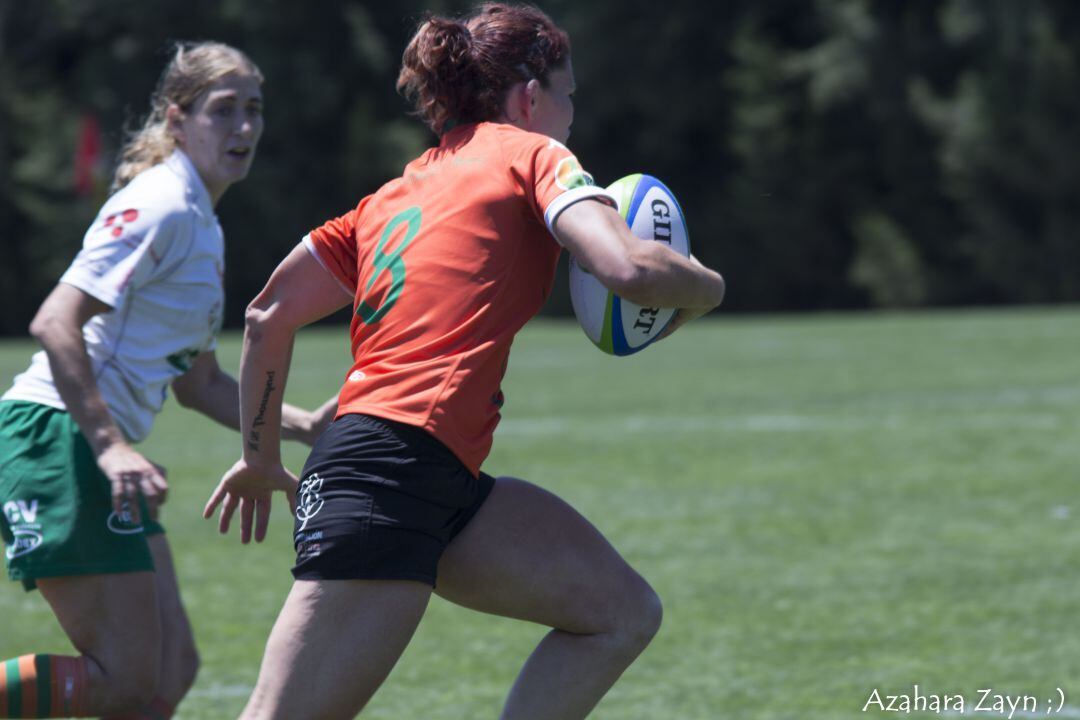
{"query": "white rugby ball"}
[(615, 325)]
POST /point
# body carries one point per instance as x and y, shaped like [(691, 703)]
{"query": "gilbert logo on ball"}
[(615, 325)]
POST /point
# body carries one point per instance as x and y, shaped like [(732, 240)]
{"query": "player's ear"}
[(531, 94), (173, 122), (517, 107)]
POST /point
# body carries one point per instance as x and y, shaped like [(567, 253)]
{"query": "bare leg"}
[(333, 645), (529, 555), (179, 656), (113, 621)]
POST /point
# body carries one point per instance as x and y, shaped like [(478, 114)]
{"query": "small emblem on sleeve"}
[(570, 175), (117, 221)]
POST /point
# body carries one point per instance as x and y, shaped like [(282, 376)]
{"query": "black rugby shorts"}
[(380, 500)]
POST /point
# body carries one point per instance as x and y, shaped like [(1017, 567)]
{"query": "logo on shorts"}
[(308, 502), (17, 511), (26, 541), (308, 545), (121, 522), (22, 516)]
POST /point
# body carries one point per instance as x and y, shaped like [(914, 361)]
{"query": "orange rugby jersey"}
[(446, 264)]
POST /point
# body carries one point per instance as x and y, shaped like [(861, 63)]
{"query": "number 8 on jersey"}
[(391, 261)]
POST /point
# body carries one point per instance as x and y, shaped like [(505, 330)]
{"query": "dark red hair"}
[(460, 70)]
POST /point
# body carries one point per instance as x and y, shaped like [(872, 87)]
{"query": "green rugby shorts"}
[(57, 517)]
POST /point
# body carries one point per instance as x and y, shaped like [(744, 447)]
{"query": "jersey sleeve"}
[(334, 246), (553, 180), (123, 250)]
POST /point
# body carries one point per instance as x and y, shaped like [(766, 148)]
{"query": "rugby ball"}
[(615, 325)]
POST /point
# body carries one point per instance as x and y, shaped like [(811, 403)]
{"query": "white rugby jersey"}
[(155, 255)]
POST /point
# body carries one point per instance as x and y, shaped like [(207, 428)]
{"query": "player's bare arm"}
[(297, 293), (57, 326), (645, 273), (208, 389)]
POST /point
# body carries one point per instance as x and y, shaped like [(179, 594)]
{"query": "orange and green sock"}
[(43, 686)]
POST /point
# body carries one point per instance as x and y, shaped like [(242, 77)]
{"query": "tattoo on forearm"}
[(253, 436)]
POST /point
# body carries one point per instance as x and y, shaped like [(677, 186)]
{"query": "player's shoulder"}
[(517, 141), (157, 194), (536, 157), (154, 203)]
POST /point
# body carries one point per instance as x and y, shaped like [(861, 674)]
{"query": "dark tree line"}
[(828, 154)]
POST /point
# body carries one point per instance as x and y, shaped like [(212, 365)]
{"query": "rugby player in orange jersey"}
[(443, 266)]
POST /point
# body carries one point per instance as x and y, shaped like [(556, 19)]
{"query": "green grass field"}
[(828, 505)]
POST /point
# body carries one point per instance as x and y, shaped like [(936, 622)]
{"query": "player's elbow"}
[(258, 318), (267, 315), (655, 281), (634, 279), (634, 286), (621, 273), (48, 325), (203, 384), (198, 387), (40, 326), (185, 393), (717, 290)]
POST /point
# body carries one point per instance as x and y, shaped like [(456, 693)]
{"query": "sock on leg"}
[(43, 686)]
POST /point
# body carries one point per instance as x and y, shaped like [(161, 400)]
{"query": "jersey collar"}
[(197, 194)]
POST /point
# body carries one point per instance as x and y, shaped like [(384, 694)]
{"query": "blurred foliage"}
[(828, 154)]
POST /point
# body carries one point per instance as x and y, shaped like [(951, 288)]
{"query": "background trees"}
[(829, 154)]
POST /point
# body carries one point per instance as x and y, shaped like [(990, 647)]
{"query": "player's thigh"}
[(175, 627), (528, 554), (180, 660), (351, 631)]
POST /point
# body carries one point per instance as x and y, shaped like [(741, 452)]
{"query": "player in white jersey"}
[(138, 310)]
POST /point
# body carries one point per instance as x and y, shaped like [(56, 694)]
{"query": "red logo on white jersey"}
[(117, 221)]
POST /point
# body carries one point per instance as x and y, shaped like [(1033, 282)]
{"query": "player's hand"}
[(131, 475), (684, 315), (250, 489), (680, 318)]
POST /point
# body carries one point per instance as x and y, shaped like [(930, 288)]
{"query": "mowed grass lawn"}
[(828, 505)]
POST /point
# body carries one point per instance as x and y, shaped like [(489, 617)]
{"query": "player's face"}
[(221, 131), (553, 112)]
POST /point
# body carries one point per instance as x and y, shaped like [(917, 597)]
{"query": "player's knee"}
[(643, 619), (132, 681), (132, 691), (180, 668), (189, 667), (634, 617)]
